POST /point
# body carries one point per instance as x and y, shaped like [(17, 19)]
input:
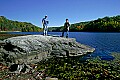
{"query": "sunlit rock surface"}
[(33, 48)]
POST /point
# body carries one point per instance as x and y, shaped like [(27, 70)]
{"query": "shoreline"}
[(10, 31)]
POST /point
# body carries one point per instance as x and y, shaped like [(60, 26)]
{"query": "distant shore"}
[(10, 31), (4, 35)]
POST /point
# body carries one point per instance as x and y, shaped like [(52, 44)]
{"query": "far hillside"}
[(106, 24), (9, 25)]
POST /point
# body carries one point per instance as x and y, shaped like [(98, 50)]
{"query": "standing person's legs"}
[(46, 30), (63, 34), (43, 29), (67, 34)]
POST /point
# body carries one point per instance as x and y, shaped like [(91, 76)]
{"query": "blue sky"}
[(58, 10)]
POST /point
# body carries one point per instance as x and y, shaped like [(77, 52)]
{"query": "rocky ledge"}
[(33, 48)]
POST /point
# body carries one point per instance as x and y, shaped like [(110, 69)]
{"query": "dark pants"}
[(67, 33)]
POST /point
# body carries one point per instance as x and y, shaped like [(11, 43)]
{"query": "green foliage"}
[(106, 24), (9, 25), (55, 29), (73, 69)]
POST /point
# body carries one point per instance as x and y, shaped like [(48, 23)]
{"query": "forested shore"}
[(10, 25), (106, 24)]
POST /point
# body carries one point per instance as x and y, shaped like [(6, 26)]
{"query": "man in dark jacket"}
[(66, 28)]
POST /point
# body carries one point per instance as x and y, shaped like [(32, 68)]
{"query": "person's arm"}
[(47, 22), (64, 26), (68, 27), (69, 24), (42, 21)]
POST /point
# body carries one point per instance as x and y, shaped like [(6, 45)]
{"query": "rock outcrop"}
[(33, 48)]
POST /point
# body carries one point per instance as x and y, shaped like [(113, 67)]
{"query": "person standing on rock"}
[(66, 28), (45, 25)]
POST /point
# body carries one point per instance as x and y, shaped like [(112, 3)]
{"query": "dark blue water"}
[(104, 43)]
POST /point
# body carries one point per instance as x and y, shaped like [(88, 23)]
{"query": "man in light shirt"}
[(45, 25)]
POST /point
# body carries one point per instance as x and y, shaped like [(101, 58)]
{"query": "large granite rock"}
[(33, 48)]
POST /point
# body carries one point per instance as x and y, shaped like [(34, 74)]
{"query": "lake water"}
[(104, 43)]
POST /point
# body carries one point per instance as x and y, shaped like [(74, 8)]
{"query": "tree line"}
[(9, 25), (106, 24)]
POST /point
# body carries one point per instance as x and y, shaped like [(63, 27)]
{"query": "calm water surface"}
[(104, 43)]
